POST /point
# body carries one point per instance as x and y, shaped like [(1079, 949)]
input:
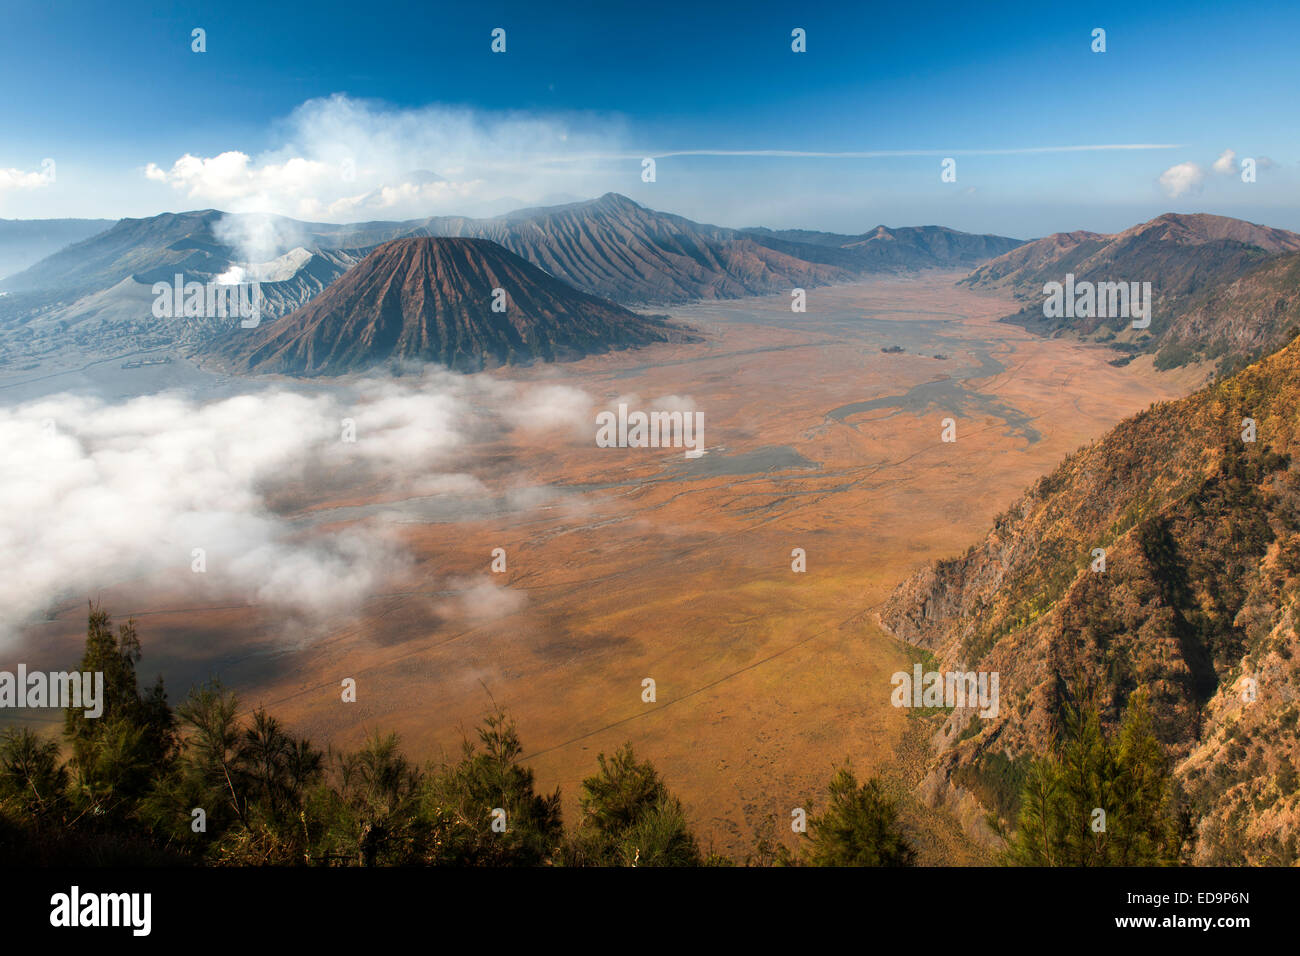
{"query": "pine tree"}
[(116, 755), (205, 774), (380, 791), (1038, 837), (859, 828), (485, 810), (629, 818), (32, 778), (1096, 799)]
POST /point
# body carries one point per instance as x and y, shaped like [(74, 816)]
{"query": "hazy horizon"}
[(1155, 211)]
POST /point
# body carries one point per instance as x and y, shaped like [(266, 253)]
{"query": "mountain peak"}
[(1199, 227), (439, 299), (616, 201)]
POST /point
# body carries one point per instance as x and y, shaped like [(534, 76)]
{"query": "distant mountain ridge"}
[(24, 242), (1187, 258), (188, 243), (609, 246), (431, 299), (94, 295), (886, 249), (618, 249)]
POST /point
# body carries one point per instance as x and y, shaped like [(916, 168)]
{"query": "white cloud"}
[(550, 407), (116, 495), (232, 177), (1226, 164), (482, 600), (1182, 179), (342, 159), (664, 403), (18, 179)]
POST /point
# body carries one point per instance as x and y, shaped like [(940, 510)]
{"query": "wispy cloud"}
[(888, 153)]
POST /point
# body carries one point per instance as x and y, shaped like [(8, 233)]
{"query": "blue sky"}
[(392, 110)]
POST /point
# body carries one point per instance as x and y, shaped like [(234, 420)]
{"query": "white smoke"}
[(257, 237)]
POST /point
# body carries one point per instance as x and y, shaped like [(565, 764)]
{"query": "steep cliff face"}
[(1196, 604), (1238, 321)]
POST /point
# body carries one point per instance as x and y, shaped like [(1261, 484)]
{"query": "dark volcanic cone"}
[(430, 299)]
